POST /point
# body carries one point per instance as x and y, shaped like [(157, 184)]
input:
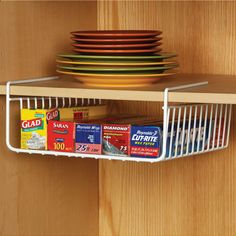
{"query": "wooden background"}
[(42, 196), (194, 196), (57, 196)]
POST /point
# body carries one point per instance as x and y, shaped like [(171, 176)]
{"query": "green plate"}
[(131, 69), (163, 55)]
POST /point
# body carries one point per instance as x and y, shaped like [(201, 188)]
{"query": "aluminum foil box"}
[(116, 139), (88, 138)]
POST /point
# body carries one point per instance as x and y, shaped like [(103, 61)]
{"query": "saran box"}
[(61, 135)]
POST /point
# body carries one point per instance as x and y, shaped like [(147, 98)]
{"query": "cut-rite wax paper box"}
[(34, 127), (145, 141), (61, 136)]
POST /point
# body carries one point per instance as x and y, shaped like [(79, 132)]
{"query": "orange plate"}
[(107, 51), (117, 33), (116, 46), (117, 41)]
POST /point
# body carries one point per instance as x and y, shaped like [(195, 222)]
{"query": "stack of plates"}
[(116, 42), (117, 58)]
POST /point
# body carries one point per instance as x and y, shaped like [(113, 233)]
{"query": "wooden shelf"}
[(221, 89)]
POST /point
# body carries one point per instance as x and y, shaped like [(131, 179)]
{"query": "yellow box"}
[(82, 113), (34, 127)]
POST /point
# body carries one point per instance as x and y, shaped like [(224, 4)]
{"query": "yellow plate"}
[(123, 81), (115, 64), (117, 85), (116, 76)]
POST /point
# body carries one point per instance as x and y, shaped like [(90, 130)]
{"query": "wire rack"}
[(187, 129)]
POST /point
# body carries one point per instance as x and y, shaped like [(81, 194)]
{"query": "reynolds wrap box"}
[(82, 113), (34, 127), (88, 138), (145, 141), (116, 139), (61, 136)]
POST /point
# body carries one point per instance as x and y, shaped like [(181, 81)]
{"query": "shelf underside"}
[(221, 89)]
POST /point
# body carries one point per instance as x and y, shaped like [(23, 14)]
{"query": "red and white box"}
[(116, 139), (61, 136)]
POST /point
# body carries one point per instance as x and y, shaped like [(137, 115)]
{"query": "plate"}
[(101, 82), (117, 85), (116, 76), (118, 81), (116, 63), (117, 41), (162, 55), (124, 69), (116, 46), (117, 33), (108, 51)]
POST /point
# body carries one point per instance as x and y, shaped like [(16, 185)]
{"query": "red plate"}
[(116, 46), (115, 52), (117, 41), (117, 33)]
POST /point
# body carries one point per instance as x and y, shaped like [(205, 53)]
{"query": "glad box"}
[(61, 136), (116, 139), (88, 138), (34, 127), (145, 141)]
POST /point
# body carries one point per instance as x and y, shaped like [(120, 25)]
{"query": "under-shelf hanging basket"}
[(188, 129)]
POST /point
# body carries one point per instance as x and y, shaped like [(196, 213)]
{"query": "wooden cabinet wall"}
[(43, 196), (191, 196), (48, 196)]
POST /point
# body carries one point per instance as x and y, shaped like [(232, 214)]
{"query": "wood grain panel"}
[(34, 32), (65, 86), (192, 196), (42, 196)]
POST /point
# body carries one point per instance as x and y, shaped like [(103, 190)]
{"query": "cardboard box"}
[(82, 113), (116, 139), (34, 127), (61, 136), (145, 141), (88, 138), (191, 142)]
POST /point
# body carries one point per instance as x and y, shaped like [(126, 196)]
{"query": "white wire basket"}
[(197, 128), (187, 129)]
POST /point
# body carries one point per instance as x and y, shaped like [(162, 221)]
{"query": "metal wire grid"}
[(197, 128), (54, 102), (180, 125)]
